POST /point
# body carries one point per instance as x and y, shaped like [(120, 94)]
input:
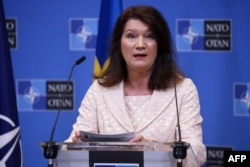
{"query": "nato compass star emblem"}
[(190, 35), (242, 99), (32, 95), (84, 34), (245, 99), (10, 142)]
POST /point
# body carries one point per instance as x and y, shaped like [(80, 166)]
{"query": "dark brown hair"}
[(165, 70)]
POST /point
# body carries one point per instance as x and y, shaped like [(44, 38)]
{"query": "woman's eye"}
[(132, 36), (149, 36)]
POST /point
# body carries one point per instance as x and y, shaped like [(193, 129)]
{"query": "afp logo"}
[(237, 158), (203, 35), (242, 99), (83, 33), (10, 143)]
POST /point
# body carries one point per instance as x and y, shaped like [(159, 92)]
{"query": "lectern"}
[(114, 154)]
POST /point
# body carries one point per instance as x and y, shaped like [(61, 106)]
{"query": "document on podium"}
[(96, 137)]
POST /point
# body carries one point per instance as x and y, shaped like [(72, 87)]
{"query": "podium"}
[(114, 154)]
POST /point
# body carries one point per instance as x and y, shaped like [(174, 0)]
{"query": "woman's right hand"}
[(77, 137), (139, 138)]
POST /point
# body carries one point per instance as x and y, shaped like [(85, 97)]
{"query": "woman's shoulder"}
[(187, 83), (95, 84)]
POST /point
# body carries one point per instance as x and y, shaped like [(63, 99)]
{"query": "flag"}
[(109, 12), (10, 142)]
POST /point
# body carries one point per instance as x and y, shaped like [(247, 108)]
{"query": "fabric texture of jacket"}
[(103, 111)]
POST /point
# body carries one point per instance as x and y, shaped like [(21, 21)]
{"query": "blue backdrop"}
[(212, 41)]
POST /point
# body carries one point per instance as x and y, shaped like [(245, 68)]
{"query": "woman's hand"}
[(139, 138), (77, 137)]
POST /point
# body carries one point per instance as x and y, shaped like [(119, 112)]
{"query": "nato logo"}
[(215, 155), (242, 99), (10, 142), (44, 95), (203, 35), (83, 33)]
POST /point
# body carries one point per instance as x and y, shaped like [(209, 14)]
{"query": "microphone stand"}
[(180, 151), (51, 147), (179, 147)]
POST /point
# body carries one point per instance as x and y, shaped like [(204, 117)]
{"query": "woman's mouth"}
[(140, 55)]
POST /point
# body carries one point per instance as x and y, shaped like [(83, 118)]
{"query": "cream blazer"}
[(103, 110)]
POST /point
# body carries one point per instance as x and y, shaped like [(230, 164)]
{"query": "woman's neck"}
[(136, 85)]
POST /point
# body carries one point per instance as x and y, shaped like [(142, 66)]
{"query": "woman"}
[(136, 92)]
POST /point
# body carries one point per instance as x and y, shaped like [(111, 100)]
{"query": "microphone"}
[(179, 147), (50, 147)]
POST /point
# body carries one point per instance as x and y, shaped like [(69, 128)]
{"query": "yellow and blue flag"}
[(109, 12), (10, 142)]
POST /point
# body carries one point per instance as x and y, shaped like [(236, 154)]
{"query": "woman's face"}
[(138, 46)]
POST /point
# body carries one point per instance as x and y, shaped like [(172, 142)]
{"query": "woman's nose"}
[(140, 43)]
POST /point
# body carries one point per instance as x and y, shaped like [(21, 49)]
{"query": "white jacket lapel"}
[(158, 103), (114, 98)]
